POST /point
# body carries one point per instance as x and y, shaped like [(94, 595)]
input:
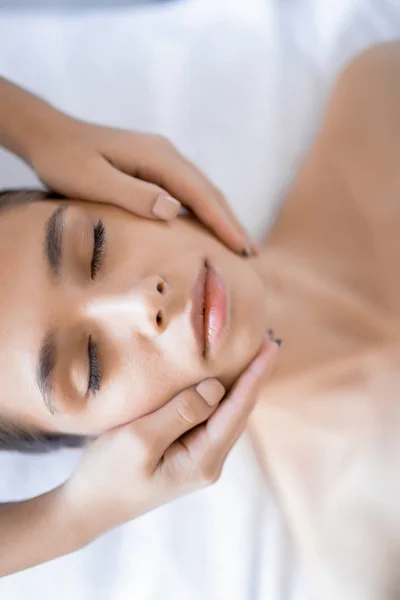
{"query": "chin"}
[(241, 352), (246, 330)]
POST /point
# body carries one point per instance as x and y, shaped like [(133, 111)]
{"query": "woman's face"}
[(100, 309)]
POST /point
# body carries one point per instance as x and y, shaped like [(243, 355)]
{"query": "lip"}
[(209, 308)]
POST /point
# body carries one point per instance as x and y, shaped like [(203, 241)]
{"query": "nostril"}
[(159, 318), (160, 287)]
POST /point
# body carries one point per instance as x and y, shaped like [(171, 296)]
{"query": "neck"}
[(321, 321)]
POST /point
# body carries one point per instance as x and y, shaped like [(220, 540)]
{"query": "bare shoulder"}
[(377, 61), (361, 135), (342, 215), (363, 115), (356, 155)]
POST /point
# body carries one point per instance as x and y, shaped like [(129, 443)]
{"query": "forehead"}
[(21, 231), (21, 271), (22, 263), (23, 212)]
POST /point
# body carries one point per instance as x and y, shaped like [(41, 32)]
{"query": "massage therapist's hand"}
[(140, 172), (134, 468), (166, 454)]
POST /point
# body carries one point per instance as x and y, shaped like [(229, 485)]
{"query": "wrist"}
[(73, 514), (43, 125), (27, 122), (88, 514)]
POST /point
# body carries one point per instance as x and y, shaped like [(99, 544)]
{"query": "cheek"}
[(150, 385)]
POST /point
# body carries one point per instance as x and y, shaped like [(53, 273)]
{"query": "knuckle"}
[(209, 474), (187, 410), (162, 142)]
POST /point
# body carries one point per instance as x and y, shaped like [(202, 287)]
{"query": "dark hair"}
[(11, 198), (14, 437), (18, 439)]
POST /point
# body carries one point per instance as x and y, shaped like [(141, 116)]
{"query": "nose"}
[(151, 298), (144, 307)]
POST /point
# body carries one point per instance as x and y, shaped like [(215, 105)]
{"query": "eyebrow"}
[(54, 231), (46, 365)]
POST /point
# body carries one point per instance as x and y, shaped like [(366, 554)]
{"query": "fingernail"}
[(249, 250), (165, 207), (211, 390), (271, 336)]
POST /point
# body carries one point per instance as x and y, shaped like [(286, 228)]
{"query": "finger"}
[(185, 182), (103, 182), (221, 200), (212, 195), (185, 411), (213, 210), (215, 439), (161, 163)]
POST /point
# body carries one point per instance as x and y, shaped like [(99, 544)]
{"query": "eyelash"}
[(94, 367), (99, 238)]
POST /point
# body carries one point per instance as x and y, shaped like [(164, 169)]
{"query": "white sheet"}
[(239, 87)]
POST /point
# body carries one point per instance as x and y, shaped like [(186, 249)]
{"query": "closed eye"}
[(94, 382), (99, 239)]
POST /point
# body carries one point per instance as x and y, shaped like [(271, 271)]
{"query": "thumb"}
[(185, 411), (227, 424), (105, 183)]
